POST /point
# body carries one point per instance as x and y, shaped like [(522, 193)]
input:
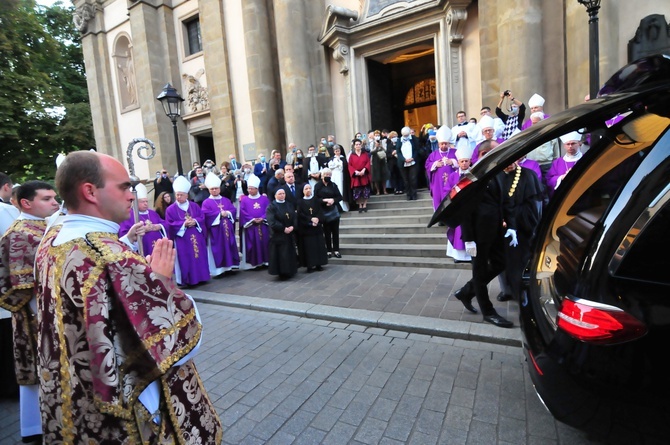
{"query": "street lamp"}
[(592, 7), (171, 101)]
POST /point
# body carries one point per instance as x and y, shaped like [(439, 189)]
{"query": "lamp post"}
[(171, 101), (592, 7)]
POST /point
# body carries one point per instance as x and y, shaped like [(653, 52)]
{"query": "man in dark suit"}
[(484, 233), (293, 192), (262, 170), (407, 151), (275, 182)]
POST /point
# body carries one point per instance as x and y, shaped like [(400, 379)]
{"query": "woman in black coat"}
[(326, 192)]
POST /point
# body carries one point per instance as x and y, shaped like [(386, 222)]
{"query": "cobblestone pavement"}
[(282, 379), (424, 292)]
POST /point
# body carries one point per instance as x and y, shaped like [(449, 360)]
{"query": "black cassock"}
[(283, 257), (311, 242)]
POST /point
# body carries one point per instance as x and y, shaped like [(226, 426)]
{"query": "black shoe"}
[(498, 321), (337, 254), (365, 209), (360, 210), (466, 300), (330, 255), (310, 269), (503, 297), (319, 268)]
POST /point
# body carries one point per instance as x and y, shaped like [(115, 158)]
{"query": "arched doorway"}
[(402, 88)]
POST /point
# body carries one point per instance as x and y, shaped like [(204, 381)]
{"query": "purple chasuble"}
[(191, 244), (221, 243), (534, 166), (558, 168), (149, 238), (454, 234), (256, 236), (436, 177)]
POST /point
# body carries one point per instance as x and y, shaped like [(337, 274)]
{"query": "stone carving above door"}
[(197, 96)]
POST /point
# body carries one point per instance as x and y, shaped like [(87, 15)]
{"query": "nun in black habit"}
[(282, 219), (311, 242)]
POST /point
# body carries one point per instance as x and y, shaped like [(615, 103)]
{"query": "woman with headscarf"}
[(327, 193), (378, 167), (299, 167), (282, 220), (311, 243), (340, 167)]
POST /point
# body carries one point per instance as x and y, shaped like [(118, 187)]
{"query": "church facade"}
[(257, 75)]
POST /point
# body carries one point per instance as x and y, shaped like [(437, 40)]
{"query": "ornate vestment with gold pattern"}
[(108, 327), (17, 287)]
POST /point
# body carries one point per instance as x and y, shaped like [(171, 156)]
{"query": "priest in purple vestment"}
[(154, 225), (455, 245), (440, 164), (220, 222), (561, 166), (254, 230), (186, 227)]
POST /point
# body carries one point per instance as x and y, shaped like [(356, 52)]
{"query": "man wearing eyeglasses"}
[(498, 125)]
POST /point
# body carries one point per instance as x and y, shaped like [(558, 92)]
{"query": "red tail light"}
[(598, 323)]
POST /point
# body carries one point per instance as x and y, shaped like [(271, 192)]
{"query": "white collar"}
[(78, 226), (577, 156), (29, 216)]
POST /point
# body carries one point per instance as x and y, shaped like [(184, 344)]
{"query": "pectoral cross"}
[(287, 217), (310, 210)]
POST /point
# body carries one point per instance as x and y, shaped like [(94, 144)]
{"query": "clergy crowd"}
[(104, 334)]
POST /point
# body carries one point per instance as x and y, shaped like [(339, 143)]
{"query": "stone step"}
[(398, 250), (437, 238), (397, 261), (372, 219), (407, 230), (402, 209)]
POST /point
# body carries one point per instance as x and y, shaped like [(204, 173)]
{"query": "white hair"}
[(405, 131)]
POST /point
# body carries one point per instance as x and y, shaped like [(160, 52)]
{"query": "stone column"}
[(455, 22), (89, 20), (156, 63), (212, 27), (488, 40), (553, 57), (520, 49), (296, 84), (263, 91)]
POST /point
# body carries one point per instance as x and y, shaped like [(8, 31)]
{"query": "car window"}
[(641, 261)]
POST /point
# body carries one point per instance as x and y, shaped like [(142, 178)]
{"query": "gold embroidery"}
[(194, 243), (66, 389)]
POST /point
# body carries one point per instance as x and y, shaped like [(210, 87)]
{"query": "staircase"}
[(394, 232)]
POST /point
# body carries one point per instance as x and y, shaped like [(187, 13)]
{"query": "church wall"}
[(528, 46), (239, 80), (472, 68), (129, 117)]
